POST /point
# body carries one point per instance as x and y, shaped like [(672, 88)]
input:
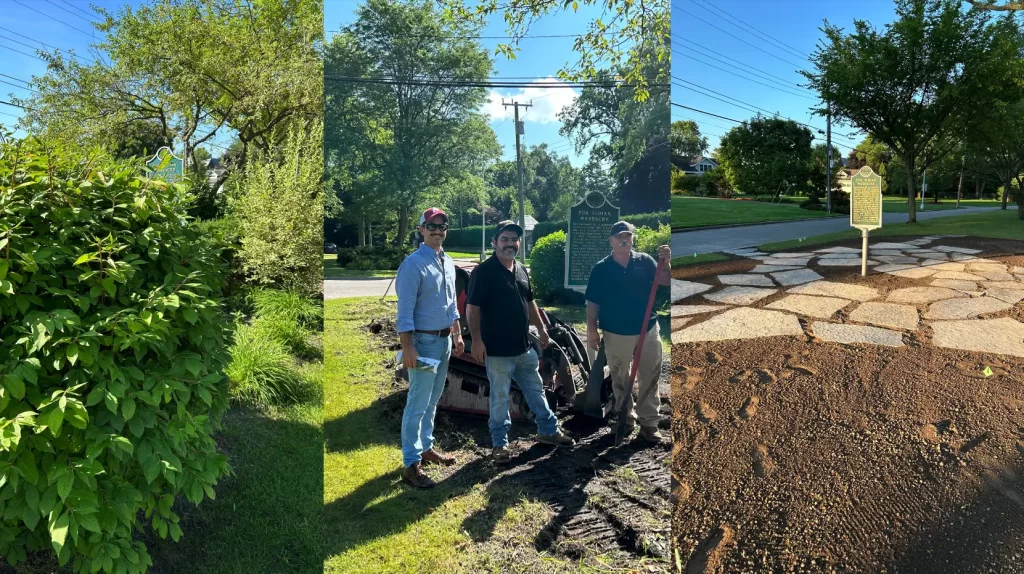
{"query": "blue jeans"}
[(500, 372), (424, 391)]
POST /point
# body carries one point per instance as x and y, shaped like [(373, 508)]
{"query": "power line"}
[(813, 127), (70, 12), (475, 37), (755, 71), (23, 53), (44, 44), (79, 9), (753, 109), (738, 121), (17, 86), (752, 80), (90, 34), (16, 79), (685, 11), (13, 105), (777, 43), (483, 83)]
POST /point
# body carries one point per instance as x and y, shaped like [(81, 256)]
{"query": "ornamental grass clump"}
[(112, 350)]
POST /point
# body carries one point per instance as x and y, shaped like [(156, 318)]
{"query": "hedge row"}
[(471, 235)]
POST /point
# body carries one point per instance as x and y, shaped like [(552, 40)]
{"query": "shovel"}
[(620, 427)]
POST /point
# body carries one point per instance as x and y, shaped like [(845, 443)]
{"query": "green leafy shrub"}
[(262, 372), (378, 257), (224, 233), (547, 271), (279, 208), (470, 236), (112, 347)]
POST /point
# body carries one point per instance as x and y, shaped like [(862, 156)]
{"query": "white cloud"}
[(547, 102)]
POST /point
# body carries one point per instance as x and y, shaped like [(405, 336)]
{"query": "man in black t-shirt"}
[(500, 308), (617, 294)]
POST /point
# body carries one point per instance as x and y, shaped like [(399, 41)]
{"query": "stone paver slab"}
[(893, 267), (959, 276), (914, 273), (965, 308), (683, 289), (975, 267), (995, 276), (820, 307), (1018, 270), (955, 267), (1003, 285), (955, 284), (886, 315), (793, 254), (1000, 336), (922, 295), (1012, 296), (746, 279), (900, 246), (884, 252), (796, 277), (680, 322), (897, 259), (958, 249), (740, 295), (687, 310), (857, 334), (838, 250), (785, 261), (933, 256), (742, 323), (832, 289), (772, 268), (843, 262)]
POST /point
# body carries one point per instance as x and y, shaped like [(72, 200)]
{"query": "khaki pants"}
[(619, 349)]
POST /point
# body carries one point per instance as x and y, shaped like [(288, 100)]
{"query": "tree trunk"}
[(1006, 191), (908, 160), (362, 233), (403, 224)]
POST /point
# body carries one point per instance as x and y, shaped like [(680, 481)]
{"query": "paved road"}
[(365, 286), (715, 240), (356, 287)]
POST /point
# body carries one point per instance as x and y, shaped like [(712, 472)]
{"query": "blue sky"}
[(61, 24), (539, 57), (794, 29)]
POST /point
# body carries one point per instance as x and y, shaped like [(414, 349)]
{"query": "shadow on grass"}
[(267, 517)]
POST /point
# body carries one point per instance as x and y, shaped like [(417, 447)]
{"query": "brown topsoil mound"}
[(793, 455)]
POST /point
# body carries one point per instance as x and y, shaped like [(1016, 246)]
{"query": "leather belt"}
[(439, 333)]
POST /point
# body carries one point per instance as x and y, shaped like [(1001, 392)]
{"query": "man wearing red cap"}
[(427, 327)]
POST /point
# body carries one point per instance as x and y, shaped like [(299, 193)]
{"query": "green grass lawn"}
[(332, 272), (896, 204), (690, 212), (268, 515), (998, 224), (373, 522), (697, 259)]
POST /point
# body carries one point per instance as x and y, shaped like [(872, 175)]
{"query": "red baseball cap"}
[(431, 213)]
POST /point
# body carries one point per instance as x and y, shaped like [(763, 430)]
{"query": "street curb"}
[(706, 227)]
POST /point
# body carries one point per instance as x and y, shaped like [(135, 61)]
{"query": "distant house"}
[(846, 179), (215, 169), (694, 165)]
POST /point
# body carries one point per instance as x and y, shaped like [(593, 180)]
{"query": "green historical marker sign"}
[(866, 200), (865, 208), (166, 166), (587, 241)]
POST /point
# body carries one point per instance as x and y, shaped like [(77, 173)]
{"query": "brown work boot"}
[(433, 456), (501, 455), (557, 439), (414, 475), (652, 435)]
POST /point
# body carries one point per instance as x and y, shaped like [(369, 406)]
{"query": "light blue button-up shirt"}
[(426, 291)]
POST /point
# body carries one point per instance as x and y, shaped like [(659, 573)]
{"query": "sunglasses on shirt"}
[(436, 226)]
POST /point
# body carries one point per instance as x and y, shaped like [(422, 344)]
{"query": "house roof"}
[(686, 163)]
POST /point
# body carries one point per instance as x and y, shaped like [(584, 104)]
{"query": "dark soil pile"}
[(793, 455)]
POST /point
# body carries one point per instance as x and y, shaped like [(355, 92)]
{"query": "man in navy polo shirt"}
[(500, 310), (617, 294), (427, 327)]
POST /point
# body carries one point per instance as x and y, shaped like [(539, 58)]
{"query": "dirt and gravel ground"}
[(796, 455), (601, 502)]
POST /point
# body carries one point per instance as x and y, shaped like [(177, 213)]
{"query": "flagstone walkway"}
[(950, 290)]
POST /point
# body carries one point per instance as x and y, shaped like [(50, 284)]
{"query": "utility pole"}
[(960, 185), (828, 161), (519, 168)]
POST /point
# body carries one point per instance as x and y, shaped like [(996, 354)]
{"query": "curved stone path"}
[(950, 289)]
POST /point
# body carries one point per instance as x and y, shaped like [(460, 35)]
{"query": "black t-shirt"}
[(503, 298), (622, 293)]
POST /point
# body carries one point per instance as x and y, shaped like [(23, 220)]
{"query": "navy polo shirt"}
[(622, 292)]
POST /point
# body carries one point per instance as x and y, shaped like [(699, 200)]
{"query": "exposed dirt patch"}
[(600, 501), (856, 458)]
